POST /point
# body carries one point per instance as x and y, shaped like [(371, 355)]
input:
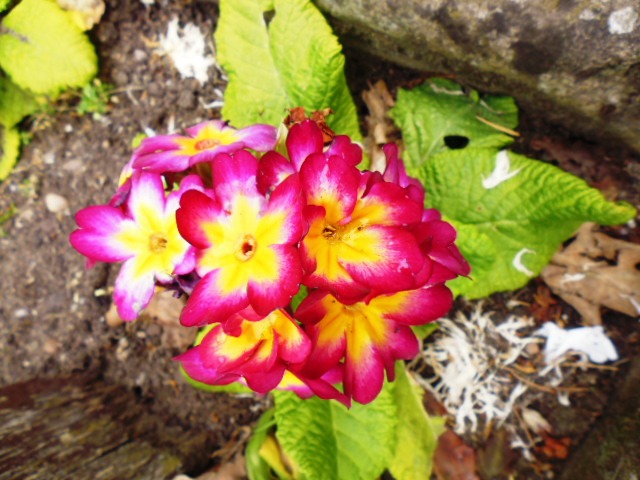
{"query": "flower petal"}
[(275, 279), (272, 171), (199, 220), (304, 139), (211, 302), (134, 288), (330, 183), (234, 175), (258, 137), (96, 237)]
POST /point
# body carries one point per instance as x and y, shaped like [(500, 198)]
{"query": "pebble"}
[(56, 203), (51, 346)]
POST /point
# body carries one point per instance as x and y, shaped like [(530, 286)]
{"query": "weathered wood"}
[(74, 427)]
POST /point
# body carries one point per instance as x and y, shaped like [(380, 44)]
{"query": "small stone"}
[(21, 313), (68, 128), (51, 346), (622, 21), (139, 55), (56, 203)]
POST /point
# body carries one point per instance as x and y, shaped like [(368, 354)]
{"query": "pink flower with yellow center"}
[(248, 348), (246, 243), (370, 337), (143, 235), (176, 153), (358, 242)]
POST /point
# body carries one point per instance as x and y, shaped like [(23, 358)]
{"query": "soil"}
[(52, 313)]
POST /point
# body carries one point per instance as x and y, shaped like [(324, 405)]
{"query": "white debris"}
[(187, 49), (501, 171), (589, 341), (517, 262), (470, 360), (622, 21)]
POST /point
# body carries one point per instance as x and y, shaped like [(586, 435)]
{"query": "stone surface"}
[(575, 62)]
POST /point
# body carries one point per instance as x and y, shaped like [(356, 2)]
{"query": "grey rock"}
[(574, 62)]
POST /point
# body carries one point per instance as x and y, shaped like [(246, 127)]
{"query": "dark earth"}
[(52, 313)]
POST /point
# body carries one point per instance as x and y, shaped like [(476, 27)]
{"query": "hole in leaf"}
[(268, 16), (456, 142)]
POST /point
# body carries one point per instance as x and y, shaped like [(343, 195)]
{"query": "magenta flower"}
[(304, 139), (246, 243), (143, 235), (255, 351), (358, 242), (176, 153), (369, 337)]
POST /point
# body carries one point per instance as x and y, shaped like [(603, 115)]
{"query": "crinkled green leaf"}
[(327, 440), (4, 4), (257, 467), (43, 50), (417, 432), (15, 103), (440, 108), (510, 231), (10, 150), (293, 60)]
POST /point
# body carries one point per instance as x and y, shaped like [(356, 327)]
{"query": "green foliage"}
[(510, 232), (415, 429), (95, 98), (257, 466), (294, 60), (440, 108), (15, 103), (511, 213), (10, 150), (43, 50), (324, 439), (4, 4)]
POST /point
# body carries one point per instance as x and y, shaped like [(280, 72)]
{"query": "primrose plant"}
[(245, 221)]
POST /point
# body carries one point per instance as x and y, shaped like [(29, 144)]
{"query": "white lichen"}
[(622, 21), (487, 374), (501, 173), (187, 49)]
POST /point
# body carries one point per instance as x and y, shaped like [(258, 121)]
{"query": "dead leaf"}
[(596, 270), (164, 309), (453, 459), (554, 448), (380, 127)]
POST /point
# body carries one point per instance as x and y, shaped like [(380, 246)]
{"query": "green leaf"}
[(327, 440), (415, 429), (510, 231), (10, 150), (423, 331), (293, 61), (440, 108), (43, 50), (15, 103), (4, 4), (257, 467)]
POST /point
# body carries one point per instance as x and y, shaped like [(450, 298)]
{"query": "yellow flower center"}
[(247, 248), (158, 242)]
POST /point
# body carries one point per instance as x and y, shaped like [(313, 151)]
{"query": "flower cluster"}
[(244, 220)]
